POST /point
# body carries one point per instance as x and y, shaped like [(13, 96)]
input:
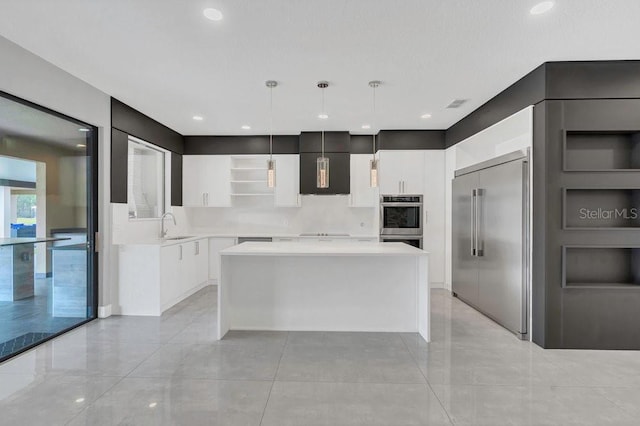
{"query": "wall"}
[(513, 133), (32, 78)]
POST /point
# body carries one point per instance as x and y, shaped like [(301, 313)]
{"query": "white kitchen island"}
[(380, 287)]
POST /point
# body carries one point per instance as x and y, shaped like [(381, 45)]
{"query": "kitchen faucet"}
[(163, 232)]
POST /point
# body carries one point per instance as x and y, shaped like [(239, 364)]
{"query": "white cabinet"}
[(362, 194), (401, 172), (153, 278), (215, 245), (287, 191), (206, 180), (285, 239)]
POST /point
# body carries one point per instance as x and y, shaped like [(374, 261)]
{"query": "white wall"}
[(30, 77), (513, 133)]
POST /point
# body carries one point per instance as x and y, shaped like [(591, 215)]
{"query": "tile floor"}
[(171, 371)]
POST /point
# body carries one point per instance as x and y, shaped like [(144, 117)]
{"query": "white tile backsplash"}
[(318, 213)]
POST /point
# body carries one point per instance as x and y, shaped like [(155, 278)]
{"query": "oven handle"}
[(401, 204)]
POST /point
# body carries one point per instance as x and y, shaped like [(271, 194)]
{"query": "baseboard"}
[(104, 311)]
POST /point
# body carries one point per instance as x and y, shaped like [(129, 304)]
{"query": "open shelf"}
[(601, 151), (609, 267), (249, 181), (601, 208)]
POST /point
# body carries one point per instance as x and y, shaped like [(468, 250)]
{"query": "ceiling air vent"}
[(456, 103)]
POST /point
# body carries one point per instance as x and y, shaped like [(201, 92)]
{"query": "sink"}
[(176, 238)]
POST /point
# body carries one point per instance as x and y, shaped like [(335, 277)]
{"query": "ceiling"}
[(19, 120), (165, 59)]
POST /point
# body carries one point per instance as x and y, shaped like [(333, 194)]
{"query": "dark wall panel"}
[(363, 144), (529, 90), (135, 123), (333, 142), (237, 145), (593, 80), (119, 155), (339, 174), (176, 179), (411, 139)]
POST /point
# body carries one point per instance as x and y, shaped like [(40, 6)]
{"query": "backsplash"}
[(318, 213)]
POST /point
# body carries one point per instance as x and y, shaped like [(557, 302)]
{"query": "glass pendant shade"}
[(322, 172), (271, 173), (373, 170)]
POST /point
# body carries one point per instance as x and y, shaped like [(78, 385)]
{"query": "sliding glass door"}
[(48, 223)]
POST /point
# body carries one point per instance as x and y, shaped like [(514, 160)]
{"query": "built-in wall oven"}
[(401, 215), (401, 219)]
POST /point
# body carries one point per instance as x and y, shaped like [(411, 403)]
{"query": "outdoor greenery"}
[(26, 204)]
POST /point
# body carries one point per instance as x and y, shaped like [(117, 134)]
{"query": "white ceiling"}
[(165, 59)]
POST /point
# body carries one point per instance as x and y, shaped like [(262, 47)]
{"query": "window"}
[(145, 180)]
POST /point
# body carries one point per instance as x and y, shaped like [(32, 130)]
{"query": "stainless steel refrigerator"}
[(490, 239)]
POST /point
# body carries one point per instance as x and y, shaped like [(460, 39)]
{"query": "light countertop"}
[(325, 249), (200, 236), (27, 240)]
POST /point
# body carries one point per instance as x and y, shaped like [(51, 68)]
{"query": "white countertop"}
[(167, 242), (325, 249)]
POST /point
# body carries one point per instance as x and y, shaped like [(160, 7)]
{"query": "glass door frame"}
[(92, 152)]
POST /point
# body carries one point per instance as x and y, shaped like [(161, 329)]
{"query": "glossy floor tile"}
[(171, 371)]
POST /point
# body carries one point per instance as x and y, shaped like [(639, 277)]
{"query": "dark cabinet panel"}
[(333, 142), (119, 157), (339, 174), (176, 179)]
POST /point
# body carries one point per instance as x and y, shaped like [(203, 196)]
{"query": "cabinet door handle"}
[(180, 253), (204, 199), (197, 248), (399, 187)]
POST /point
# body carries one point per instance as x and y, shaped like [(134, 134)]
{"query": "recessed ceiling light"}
[(153, 405), (427, 115), (84, 129), (246, 127), (81, 145), (541, 8), (198, 118), (79, 400), (213, 14), (366, 126), (323, 116)]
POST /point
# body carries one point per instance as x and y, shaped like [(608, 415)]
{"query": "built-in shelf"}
[(601, 151), (601, 208), (248, 168), (610, 267), (249, 181)]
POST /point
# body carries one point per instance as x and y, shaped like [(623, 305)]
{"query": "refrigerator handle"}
[(478, 215), (473, 222)]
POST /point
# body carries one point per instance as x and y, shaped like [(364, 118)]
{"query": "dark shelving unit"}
[(601, 267), (601, 151)]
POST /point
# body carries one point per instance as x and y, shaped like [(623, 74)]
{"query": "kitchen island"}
[(381, 287)]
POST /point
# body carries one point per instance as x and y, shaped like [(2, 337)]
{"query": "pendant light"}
[(373, 165), (322, 164), (271, 163)]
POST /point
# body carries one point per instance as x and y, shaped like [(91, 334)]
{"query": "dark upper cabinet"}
[(333, 142), (339, 173)]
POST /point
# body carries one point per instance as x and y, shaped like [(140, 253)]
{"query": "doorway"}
[(48, 223)]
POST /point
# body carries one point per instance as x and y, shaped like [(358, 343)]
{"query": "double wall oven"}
[(401, 219)]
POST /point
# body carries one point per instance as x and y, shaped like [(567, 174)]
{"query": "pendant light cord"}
[(270, 123), (373, 125), (323, 112)]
